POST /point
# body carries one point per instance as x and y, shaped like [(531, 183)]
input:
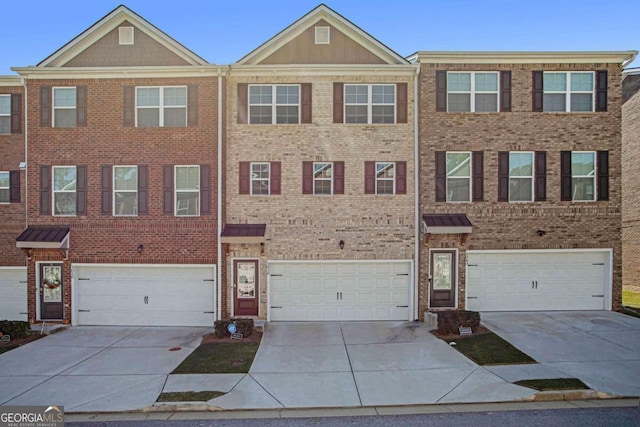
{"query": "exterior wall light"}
[(341, 244), (140, 248)]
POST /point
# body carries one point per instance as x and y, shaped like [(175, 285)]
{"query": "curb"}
[(558, 395)]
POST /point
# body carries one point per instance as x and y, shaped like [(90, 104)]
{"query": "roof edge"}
[(514, 57)]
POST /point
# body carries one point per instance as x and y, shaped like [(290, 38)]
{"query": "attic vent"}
[(322, 35), (126, 35)]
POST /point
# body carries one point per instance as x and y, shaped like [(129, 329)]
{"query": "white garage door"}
[(537, 280), (13, 293), (147, 295), (326, 291)]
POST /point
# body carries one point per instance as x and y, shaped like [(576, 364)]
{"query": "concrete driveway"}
[(601, 348), (95, 368)]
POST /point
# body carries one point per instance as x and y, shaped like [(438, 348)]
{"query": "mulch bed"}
[(256, 336), (14, 343), (480, 330)]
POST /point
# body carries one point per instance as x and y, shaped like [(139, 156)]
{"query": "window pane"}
[(64, 97), (148, 97), (458, 164), (64, 203), (581, 102), (286, 115), (458, 190), (5, 124), (355, 114), (188, 178), (520, 164), (64, 118), (175, 96), (149, 117), (260, 115), (356, 94), (260, 95), (287, 94), (459, 102), (582, 188), (126, 203), (322, 170), (583, 164), (520, 189), (555, 82), (486, 82), (260, 178), (385, 170), (459, 82), (125, 178), (383, 94), (322, 187), (385, 187), (582, 81), (4, 187), (554, 102), (187, 204), (5, 105), (64, 179), (260, 170), (486, 102), (4, 195), (382, 114), (175, 117)]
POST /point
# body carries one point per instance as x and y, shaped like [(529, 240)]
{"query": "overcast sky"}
[(223, 31)]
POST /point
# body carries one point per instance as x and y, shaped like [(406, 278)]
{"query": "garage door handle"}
[(146, 300), (276, 306), (597, 296), (83, 311), (532, 285), (472, 297), (402, 306)]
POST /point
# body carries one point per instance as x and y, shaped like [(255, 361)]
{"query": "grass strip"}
[(554, 384), (189, 396), (490, 349), (219, 358)]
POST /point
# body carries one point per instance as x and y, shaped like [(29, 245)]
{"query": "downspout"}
[(219, 197), (26, 145), (416, 191)]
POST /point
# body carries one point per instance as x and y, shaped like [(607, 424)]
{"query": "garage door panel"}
[(13, 294)]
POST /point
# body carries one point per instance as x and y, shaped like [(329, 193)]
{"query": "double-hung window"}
[(568, 91), (385, 178), (520, 176), (64, 107), (260, 178), (322, 178), (583, 176), (4, 187), (187, 190), (161, 106), (472, 91), (64, 190), (274, 104), (458, 170), (125, 190), (5, 114), (369, 103)]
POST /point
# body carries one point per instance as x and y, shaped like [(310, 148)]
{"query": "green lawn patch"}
[(490, 349), (630, 298), (554, 384), (189, 396), (219, 358)]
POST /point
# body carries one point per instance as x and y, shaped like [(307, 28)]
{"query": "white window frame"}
[(54, 108), (126, 36), (8, 114), (7, 188), (54, 191), (393, 180), (322, 34), (267, 179), (469, 178), (315, 180), (274, 104), (124, 191), (568, 92), (176, 191), (593, 177), (532, 177), (370, 104), (473, 92), (161, 107)]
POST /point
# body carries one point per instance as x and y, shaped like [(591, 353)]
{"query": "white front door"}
[(13, 293)]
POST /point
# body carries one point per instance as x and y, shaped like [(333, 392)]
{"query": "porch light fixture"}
[(341, 244), (541, 233), (140, 248)]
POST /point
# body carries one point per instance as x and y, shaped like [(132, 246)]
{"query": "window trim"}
[(472, 92), (331, 179), (274, 105), (470, 177), (8, 188), (54, 108), (568, 92), (54, 191), (370, 104), (532, 177), (268, 179), (175, 190), (594, 177), (161, 107), (8, 114), (113, 174), (393, 180)]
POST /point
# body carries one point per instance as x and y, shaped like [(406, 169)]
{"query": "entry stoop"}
[(431, 320)]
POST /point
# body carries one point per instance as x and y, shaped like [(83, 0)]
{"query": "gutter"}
[(219, 198), (416, 190)]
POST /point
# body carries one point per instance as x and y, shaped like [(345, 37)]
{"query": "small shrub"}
[(243, 326), (450, 320), (15, 328)]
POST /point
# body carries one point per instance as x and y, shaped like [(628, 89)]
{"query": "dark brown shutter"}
[(16, 113), (477, 163), (441, 176), (14, 186), (81, 106), (81, 190), (601, 90), (143, 190), (275, 171), (537, 91), (540, 185), (245, 178), (503, 176), (243, 99), (505, 91), (167, 189), (45, 106), (369, 177), (401, 103), (401, 177), (307, 177), (205, 190), (129, 116), (338, 102), (306, 103), (45, 190), (441, 90), (565, 175), (338, 177), (603, 175), (192, 105), (105, 192)]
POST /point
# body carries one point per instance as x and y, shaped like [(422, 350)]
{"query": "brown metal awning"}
[(243, 233), (446, 224), (44, 237)]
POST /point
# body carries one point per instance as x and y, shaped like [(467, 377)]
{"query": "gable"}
[(341, 49)]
